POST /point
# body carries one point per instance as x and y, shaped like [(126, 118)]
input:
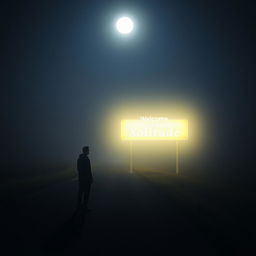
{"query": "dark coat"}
[(84, 170)]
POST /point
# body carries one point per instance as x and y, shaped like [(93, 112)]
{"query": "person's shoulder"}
[(83, 157), (80, 158)]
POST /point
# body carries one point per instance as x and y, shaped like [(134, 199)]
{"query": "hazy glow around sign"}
[(154, 129), (124, 25)]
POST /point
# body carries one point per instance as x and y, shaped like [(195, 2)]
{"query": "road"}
[(129, 217)]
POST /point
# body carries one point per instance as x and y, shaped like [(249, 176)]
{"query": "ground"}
[(144, 213)]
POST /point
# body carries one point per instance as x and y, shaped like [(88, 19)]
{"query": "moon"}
[(124, 25)]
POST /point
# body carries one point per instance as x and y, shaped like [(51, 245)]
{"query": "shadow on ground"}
[(68, 234)]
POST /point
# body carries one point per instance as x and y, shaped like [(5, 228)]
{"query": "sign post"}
[(177, 158), (131, 158), (154, 129)]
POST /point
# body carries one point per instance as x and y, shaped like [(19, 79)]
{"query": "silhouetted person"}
[(85, 179)]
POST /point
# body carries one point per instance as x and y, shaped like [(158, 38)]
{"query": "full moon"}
[(124, 25)]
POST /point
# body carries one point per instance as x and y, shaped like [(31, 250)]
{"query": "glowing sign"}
[(150, 128)]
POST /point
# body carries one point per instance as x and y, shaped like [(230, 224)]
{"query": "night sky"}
[(65, 68)]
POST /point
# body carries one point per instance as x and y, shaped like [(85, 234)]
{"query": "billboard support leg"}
[(177, 157), (131, 158)]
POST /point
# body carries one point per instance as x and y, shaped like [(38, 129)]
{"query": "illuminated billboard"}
[(159, 128)]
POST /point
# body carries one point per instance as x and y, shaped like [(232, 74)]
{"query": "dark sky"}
[(64, 68)]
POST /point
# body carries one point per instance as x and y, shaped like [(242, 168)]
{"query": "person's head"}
[(86, 150)]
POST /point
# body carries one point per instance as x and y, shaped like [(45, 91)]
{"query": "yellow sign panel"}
[(154, 129)]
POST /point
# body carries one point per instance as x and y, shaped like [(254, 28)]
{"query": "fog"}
[(69, 79)]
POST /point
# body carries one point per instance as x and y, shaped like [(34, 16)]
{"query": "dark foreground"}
[(131, 215)]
